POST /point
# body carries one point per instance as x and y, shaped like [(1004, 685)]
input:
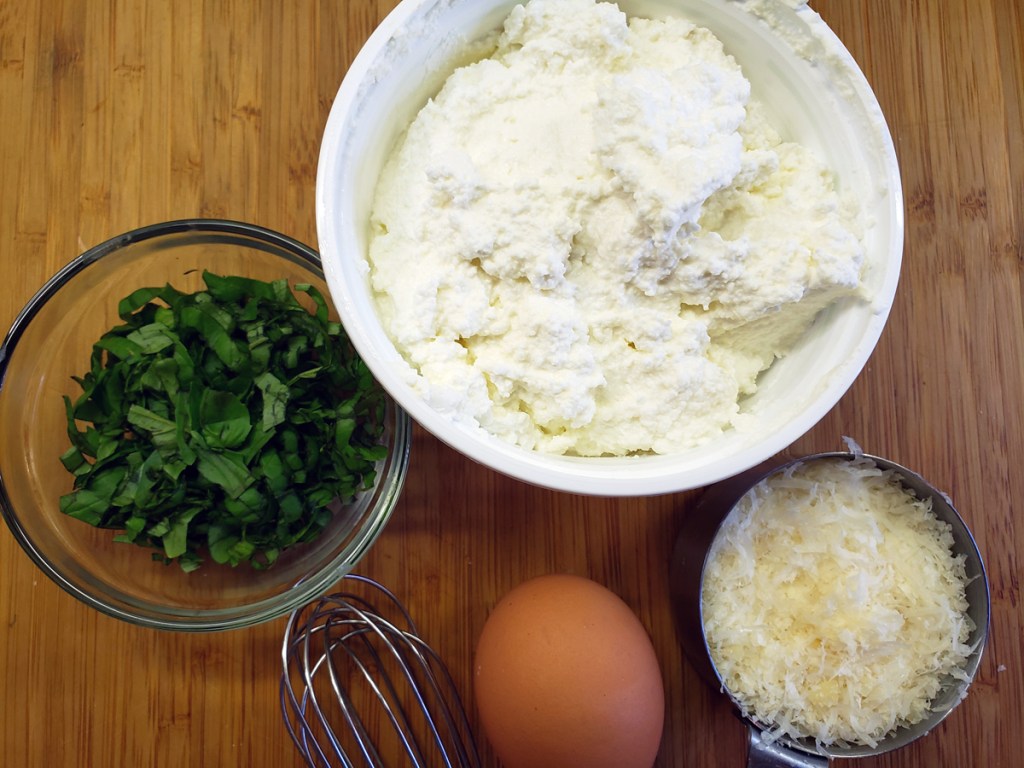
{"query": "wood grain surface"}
[(124, 113)]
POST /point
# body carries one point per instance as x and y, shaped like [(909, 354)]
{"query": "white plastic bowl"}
[(816, 95)]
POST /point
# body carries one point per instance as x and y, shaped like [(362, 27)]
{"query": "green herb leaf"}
[(224, 419), (222, 424), (275, 400)]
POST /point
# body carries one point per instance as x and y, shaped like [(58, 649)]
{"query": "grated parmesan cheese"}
[(833, 606)]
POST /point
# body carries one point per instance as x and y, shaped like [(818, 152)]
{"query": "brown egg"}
[(566, 675)]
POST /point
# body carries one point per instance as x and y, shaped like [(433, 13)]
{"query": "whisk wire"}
[(347, 639), (346, 705), (386, 695), (301, 733)]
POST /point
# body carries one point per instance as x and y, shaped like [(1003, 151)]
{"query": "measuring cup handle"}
[(764, 754)]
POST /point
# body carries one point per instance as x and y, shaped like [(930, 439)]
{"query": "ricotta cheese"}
[(834, 608), (593, 241)]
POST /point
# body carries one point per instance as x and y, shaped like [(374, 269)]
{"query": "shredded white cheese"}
[(833, 606)]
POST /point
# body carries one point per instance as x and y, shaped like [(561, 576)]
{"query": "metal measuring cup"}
[(687, 580)]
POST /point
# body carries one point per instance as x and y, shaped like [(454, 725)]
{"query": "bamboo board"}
[(121, 114)]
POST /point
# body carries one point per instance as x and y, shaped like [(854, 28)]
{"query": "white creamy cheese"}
[(592, 242)]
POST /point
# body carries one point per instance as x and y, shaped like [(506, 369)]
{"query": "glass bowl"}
[(51, 341)]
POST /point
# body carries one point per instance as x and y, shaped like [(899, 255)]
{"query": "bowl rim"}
[(144, 613), (605, 476)]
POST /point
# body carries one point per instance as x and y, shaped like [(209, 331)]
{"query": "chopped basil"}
[(221, 423)]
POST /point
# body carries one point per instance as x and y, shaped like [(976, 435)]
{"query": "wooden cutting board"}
[(119, 114)]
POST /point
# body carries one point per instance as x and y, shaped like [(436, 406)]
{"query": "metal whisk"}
[(359, 687)]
